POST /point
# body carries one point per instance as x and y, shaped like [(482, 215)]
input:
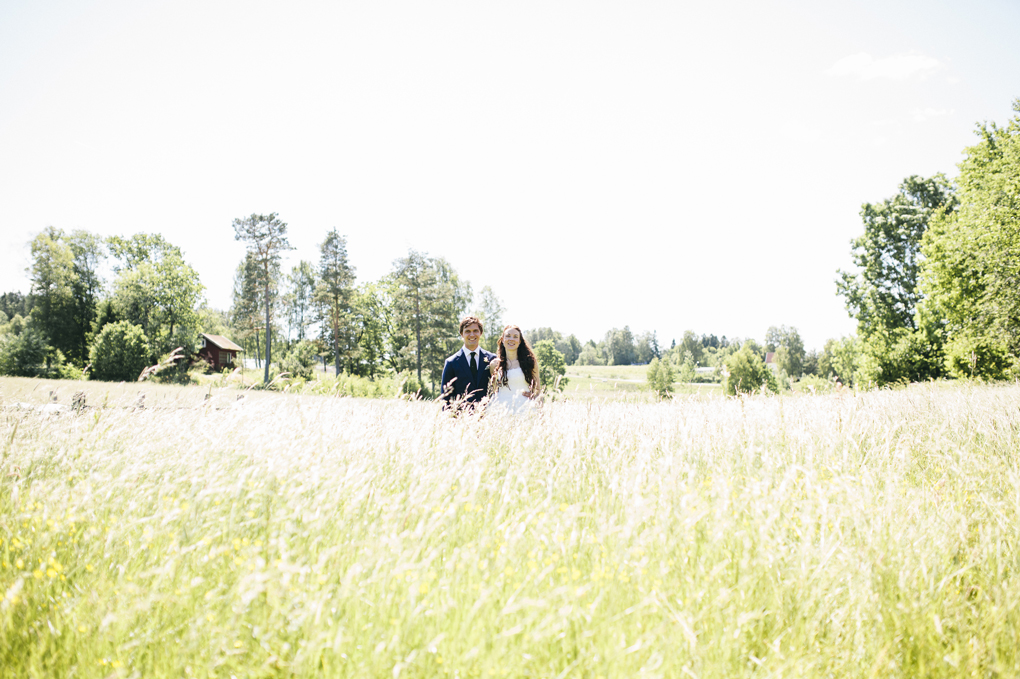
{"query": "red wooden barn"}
[(218, 351)]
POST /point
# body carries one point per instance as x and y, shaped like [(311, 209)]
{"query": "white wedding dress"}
[(510, 398)]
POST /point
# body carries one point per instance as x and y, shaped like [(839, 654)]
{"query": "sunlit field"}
[(623, 382), (841, 535)]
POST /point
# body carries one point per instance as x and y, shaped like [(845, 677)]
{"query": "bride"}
[(514, 372)]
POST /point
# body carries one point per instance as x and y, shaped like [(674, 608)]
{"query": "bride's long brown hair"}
[(525, 356)]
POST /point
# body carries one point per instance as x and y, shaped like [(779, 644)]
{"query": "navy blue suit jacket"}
[(457, 384)]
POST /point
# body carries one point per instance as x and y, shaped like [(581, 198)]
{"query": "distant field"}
[(842, 535), (623, 381)]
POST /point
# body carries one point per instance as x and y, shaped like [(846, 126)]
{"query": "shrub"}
[(22, 354), (590, 356), (300, 361), (814, 384), (687, 372), (748, 373), (120, 352), (970, 356), (661, 376), (551, 364)]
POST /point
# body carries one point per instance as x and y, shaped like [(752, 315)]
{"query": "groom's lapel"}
[(460, 364), (483, 368)]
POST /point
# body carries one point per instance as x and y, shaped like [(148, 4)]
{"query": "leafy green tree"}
[(266, 239), (746, 372), (22, 352), (789, 348), (570, 348), (619, 346), (551, 365), (811, 366), (245, 311), (646, 347), (428, 300), (15, 304), (65, 288), (334, 296), (300, 360), (536, 335), (89, 252), (688, 368), (159, 292), (693, 345), (14, 325), (130, 253), (53, 287), (840, 359), (371, 318), (213, 321), (590, 355), (120, 352), (884, 293), (660, 377), (299, 299), (490, 310), (971, 270), (977, 356)]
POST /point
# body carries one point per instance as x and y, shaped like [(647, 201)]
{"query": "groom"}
[(466, 373)]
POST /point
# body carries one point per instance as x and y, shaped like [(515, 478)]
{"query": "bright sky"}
[(662, 165)]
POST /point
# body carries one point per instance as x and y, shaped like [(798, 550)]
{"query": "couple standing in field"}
[(506, 380)]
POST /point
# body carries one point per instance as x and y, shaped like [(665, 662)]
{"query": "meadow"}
[(192, 534), (623, 382)]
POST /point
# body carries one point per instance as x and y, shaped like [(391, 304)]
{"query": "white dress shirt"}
[(478, 356)]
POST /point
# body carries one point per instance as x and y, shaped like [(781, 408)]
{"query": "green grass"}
[(623, 382), (633, 373), (849, 535)]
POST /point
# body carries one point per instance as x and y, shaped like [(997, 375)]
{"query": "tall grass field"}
[(280, 535)]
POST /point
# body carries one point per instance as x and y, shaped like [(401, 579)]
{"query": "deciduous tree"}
[(299, 299), (884, 292), (428, 300), (266, 238), (158, 291), (490, 310), (551, 365), (746, 372), (120, 352), (660, 377), (53, 286), (245, 310), (789, 348), (620, 348), (972, 259)]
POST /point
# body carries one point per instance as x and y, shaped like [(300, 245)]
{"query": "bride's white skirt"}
[(507, 402)]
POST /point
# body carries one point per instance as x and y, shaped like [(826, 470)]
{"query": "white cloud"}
[(896, 67), (922, 114)]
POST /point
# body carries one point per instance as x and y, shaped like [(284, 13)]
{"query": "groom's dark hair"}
[(468, 320)]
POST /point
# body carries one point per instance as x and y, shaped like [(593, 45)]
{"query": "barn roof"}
[(222, 342)]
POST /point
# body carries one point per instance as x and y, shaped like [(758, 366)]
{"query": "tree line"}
[(107, 308), (935, 293), (71, 319)]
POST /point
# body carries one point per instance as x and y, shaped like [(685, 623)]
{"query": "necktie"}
[(474, 366)]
